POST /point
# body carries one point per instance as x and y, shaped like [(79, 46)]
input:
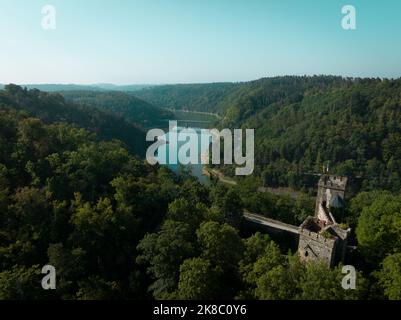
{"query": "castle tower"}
[(330, 194), (320, 237)]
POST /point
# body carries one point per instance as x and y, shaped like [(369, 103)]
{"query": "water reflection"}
[(196, 140)]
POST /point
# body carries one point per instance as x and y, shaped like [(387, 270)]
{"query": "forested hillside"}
[(77, 203), (195, 97), (52, 108), (82, 87), (302, 123), (353, 126), (58, 87), (115, 227), (123, 104)]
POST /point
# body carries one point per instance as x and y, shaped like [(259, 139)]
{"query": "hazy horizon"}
[(100, 84), (169, 42)]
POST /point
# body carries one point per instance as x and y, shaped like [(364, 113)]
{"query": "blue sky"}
[(182, 41)]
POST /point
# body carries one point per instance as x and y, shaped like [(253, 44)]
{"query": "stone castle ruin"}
[(321, 237)]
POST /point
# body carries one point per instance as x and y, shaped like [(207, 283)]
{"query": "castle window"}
[(306, 253)]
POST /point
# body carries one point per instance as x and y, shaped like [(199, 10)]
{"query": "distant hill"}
[(58, 87), (196, 97), (121, 103), (131, 87), (303, 123), (52, 107), (220, 97), (75, 87)]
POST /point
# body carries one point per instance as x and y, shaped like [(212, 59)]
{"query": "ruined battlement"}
[(330, 194), (317, 236), (333, 182)]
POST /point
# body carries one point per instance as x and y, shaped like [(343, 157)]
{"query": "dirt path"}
[(227, 180)]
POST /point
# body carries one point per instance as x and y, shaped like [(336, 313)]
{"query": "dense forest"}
[(301, 124), (53, 108), (121, 103), (74, 196), (196, 97)]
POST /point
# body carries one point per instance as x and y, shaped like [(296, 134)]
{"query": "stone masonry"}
[(321, 238)]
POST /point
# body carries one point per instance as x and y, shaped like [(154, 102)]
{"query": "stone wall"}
[(313, 246), (328, 187)]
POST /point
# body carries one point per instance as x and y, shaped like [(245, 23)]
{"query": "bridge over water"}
[(186, 122)]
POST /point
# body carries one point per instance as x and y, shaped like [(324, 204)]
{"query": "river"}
[(197, 139)]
